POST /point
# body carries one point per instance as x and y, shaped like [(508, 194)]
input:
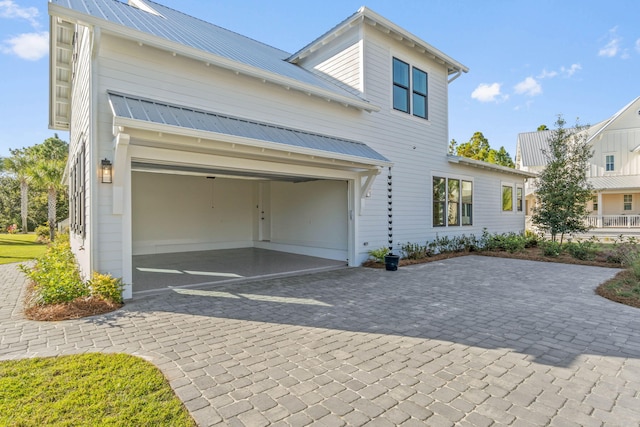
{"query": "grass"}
[(19, 248), (87, 390)]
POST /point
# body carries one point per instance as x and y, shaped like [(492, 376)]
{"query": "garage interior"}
[(196, 226)]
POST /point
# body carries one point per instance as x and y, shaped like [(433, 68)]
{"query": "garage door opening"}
[(193, 228)]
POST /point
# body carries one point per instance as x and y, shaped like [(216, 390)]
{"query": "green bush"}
[(550, 248), (510, 242), (42, 231), (378, 254), (415, 251), (55, 275), (106, 287), (585, 250)]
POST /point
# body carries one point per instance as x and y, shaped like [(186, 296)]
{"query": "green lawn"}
[(19, 248), (87, 390)]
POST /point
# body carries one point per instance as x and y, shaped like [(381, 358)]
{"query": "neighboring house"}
[(614, 170), (211, 140)]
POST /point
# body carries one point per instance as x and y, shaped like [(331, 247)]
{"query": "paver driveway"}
[(466, 341)]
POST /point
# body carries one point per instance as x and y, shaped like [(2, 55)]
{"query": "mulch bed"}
[(76, 309), (623, 281)]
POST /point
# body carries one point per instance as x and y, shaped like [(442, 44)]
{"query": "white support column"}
[(122, 206), (599, 210), (120, 163)]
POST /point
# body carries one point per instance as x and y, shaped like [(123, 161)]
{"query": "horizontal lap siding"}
[(80, 133), (620, 144)]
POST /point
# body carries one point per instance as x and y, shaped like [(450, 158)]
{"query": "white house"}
[(614, 170), (211, 140)]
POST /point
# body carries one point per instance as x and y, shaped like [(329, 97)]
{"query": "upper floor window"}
[(409, 89), (609, 163)]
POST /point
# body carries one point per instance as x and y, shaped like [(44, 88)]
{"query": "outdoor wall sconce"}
[(106, 169)]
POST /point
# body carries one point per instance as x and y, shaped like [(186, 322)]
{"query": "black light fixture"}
[(106, 169)]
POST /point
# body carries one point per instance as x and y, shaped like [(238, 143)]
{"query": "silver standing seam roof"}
[(148, 110), (186, 30), (532, 146)]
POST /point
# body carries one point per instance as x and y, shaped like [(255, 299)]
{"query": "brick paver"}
[(467, 341)]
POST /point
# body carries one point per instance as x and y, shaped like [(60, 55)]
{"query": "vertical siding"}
[(80, 133)]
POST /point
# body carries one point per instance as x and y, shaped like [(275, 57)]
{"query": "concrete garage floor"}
[(161, 271)]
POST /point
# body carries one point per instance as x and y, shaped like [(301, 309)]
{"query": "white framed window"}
[(628, 202), (507, 198), (609, 163), (452, 202), (77, 192), (594, 204), (519, 199), (410, 89)]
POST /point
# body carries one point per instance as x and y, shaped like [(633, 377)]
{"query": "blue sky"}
[(529, 60)]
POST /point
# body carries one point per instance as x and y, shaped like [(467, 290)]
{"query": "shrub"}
[(378, 254), (106, 287), (42, 233), (56, 276), (415, 251), (623, 252), (510, 242), (585, 250), (551, 248)]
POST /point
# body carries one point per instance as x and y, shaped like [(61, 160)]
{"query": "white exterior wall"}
[(417, 147), (80, 133), (619, 143)]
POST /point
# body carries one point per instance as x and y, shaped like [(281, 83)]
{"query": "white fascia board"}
[(208, 58), (367, 15), (121, 122), (490, 166)]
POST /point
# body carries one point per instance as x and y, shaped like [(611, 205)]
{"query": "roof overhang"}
[(490, 166), (176, 127), (207, 58), (368, 16), (60, 62)]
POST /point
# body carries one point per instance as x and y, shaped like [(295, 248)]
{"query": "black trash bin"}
[(391, 262)]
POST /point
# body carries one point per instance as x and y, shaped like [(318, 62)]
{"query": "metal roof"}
[(147, 110), (191, 32), (615, 182), (532, 146), (490, 166)]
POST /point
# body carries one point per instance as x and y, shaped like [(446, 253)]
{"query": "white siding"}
[(339, 61), (416, 146), (80, 134), (620, 143)]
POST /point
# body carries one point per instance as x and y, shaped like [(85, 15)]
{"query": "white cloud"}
[(612, 47), (29, 46), (9, 9), (547, 74), (488, 93), (529, 87), (571, 70)]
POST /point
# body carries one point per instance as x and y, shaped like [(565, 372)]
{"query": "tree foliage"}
[(478, 148), (562, 188), (32, 192)]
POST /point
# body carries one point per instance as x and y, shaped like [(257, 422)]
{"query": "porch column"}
[(599, 210)]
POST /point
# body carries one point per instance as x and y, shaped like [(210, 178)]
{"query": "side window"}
[(410, 89), (628, 202), (453, 217), (507, 198), (610, 163), (439, 201), (519, 203), (467, 203), (400, 85), (419, 93)]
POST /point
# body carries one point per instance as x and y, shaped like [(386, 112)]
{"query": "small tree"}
[(478, 148), (562, 187)]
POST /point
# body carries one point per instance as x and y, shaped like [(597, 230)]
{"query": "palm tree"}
[(20, 164), (48, 172)]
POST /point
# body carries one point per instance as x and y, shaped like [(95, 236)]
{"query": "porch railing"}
[(604, 221), (614, 221)]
